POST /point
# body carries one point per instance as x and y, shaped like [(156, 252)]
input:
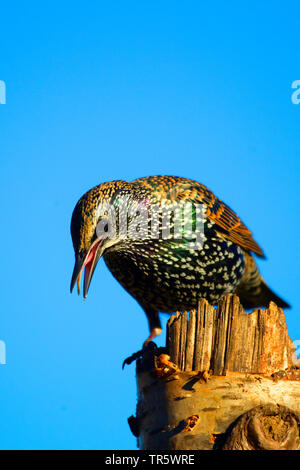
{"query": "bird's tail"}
[(253, 291)]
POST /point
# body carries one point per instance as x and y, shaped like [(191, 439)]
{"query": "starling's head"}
[(92, 228)]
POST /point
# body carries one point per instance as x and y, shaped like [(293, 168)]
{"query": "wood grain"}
[(229, 339), (249, 400)]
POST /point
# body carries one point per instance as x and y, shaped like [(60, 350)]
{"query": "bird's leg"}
[(155, 330), (154, 325)]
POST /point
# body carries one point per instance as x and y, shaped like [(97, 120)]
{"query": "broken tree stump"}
[(226, 380)]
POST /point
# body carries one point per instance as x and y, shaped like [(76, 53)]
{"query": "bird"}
[(169, 241)]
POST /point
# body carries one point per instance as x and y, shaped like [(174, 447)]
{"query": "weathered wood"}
[(268, 427), (250, 360), (165, 406), (228, 339)]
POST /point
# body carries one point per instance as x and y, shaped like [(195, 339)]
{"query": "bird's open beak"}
[(89, 262)]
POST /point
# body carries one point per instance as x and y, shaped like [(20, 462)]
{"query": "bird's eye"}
[(102, 227)]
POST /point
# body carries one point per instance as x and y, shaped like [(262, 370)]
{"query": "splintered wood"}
[(228, 339), (228, 380)]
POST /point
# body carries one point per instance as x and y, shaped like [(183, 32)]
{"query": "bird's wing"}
[(228, 224)]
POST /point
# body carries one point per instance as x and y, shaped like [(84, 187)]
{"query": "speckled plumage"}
[(166, 274)]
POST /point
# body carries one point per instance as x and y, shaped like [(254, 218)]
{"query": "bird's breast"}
[(168, 275)]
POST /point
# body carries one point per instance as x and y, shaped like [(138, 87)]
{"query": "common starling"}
[(169, 241)]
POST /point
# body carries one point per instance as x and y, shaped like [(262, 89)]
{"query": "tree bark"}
[(226, 380)]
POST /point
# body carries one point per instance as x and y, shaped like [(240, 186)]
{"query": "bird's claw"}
[(129, 360), (132, 358)]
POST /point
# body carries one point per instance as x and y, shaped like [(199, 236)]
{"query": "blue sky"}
[(98, 91)]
